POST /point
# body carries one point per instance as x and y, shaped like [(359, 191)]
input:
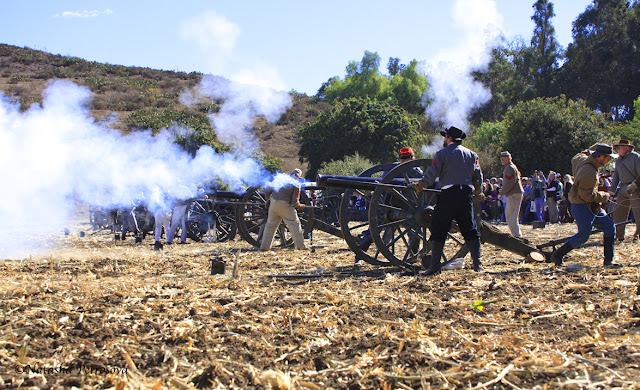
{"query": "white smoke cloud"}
[(55, 155), (453, 93), (242, 103), (211, 31)]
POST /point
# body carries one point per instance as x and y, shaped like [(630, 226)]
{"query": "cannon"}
[(211, 216), (397, 229), (252, 211)]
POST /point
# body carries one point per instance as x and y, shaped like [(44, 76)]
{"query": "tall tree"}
[(509, 79), (545, 132), (546, 48), (404, 86), (603, 62), (374, 129), (394, 66)]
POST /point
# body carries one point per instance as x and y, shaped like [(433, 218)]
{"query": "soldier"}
[(282, 205), (512, 190), (459, 174), (585, 203), (626, 173)]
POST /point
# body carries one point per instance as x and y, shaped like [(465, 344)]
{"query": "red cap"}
[(406, 151)]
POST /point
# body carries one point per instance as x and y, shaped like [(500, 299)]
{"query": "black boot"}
[(608, 253), (558, 254), (436, 254), (474, 251), (157, 246)]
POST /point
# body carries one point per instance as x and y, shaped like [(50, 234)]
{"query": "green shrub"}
[(348, 166)]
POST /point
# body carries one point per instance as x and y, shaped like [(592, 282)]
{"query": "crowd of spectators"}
[(545, 198)]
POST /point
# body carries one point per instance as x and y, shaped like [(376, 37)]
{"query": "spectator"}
[(553, 193), (512, 190)]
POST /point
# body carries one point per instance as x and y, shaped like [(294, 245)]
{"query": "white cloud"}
[(83, 14), (211, 31)]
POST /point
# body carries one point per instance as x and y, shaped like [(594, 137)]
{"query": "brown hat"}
[(505, 154), (624, 142)]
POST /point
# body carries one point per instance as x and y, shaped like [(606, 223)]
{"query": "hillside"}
[(118, 91)]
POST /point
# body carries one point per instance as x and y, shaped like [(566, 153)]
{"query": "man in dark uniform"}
[(458, 172)]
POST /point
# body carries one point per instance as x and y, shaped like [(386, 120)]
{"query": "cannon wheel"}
[(98, 218), (205, 215), (399, 220), (252, 213), (354, 222)]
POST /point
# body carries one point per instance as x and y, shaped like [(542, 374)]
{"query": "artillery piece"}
[(252, 211), (213, 213), (399, 219)]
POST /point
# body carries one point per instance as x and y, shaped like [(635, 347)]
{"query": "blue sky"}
[(283, 44)]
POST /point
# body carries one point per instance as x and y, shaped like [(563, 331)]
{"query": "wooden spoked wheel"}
[(399, 219), (354, 219), (251, 218)]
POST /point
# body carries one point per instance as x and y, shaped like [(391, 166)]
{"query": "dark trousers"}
[(454, 203)]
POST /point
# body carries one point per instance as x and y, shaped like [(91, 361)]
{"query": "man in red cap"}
[(406, 154)]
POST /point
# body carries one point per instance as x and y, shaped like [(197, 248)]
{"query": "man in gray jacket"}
[(459, 174), (626, 173)]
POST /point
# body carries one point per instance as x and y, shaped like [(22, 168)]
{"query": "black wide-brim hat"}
[(603, 150), (453, 132)]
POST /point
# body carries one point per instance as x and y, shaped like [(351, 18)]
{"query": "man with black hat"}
[(585, 203), (459, 176), (512, 189), (626, 174)]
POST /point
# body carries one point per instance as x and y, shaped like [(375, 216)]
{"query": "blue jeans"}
[(539, 208), (585, 219)]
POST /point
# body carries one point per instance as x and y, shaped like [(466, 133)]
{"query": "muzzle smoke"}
[(453, 94), (56, 155)]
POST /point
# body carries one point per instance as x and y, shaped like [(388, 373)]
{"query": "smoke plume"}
[(56, 155), (453, 94), (242, 103)]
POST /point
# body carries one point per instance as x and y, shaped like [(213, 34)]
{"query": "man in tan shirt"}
[(512, 189), (585, 204), (283, 203)]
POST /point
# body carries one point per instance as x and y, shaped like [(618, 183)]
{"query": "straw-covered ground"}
[(95, 313)]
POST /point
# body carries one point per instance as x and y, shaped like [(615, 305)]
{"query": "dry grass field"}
[(99, 313)]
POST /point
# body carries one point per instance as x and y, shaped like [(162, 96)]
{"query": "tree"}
[(603, 62), (348, 166), (544, 133), (394, 66), (363, 80), (631, 129), (404, 87), (546, 48), (374, 129), (486, 140), (509, 79), (407, 88)]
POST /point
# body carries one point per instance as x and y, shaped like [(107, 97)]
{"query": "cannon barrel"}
[(229, 194), (356, 182)]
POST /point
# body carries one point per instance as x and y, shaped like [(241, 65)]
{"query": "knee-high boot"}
[(435, 265), (474, 251), (558, 254), (608, 252)]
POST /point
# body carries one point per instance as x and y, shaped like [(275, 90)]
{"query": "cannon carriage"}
[(397, 229)]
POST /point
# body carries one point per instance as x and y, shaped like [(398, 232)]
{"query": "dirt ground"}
[(100, 313)]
